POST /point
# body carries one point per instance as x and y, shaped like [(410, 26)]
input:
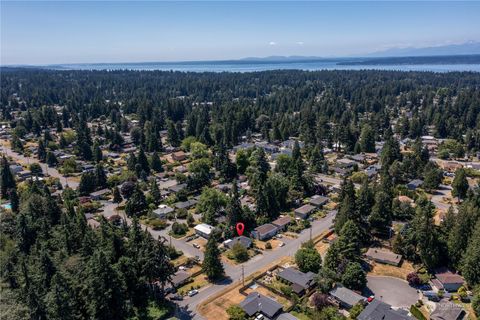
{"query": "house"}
[(179, 156), (15, 169), (178, 187), (162, 211), (287, 316), (384, 256), (447, 310), (244, 241), (24, 174), (304, 211), (204, 230), (377, 310), (346, 297), (92, 223), (87, 167), (265, 231), (257, 303), (100, 194), (299, 282), (185, 204), (447, 280), (282, 222), (318, 201), (180, 278), (414, 184)]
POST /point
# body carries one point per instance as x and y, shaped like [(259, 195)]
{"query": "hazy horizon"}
[(40, 33)]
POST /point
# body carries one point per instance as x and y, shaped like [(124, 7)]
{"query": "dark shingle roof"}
[(303, 280), (256, 302), (378, 310)]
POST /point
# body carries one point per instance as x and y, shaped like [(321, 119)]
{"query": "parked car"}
[(176, 297), (370, 299), (183, 268), (196, 246), (281, 244), (191, 293)]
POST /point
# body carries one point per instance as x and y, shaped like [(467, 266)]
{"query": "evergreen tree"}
[(381, 217), (137, 204), (131, 162), (87, 184), (460, 184), (117, 197), (100, 177), (51, 159), (156, 163), (155, 192), (143, 161), (41, 151), (354, 277), (212, 264), (471, 259), (97, 152), (7, 180), (367, 139)]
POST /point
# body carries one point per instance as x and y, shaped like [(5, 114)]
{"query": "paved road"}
[(28, 160), (257, 263), (233, 273), (437, 198), (393, 291)]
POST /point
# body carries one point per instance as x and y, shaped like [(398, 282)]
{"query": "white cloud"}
[(300, 43), (272, 43)]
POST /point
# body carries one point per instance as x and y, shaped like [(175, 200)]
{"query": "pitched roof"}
[(244, 241), (383, 255), (256, 302), (378, 310), (346, 295), (282, 221), (447, 311), (446, 276), (265, 228), (305, 209), (303, 280)]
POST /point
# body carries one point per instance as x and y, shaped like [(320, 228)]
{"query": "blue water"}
[(7, 206), (223, 66)]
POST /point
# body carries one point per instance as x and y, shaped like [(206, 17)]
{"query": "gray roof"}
[(384, 255), (415, 183), (303, 280), (318, 200), (265, 229), (305, 209), (256, 302), (378, 310), (287, 316), (346, 295), (186, 204), (180, 277), (244, 241), (162, 211), (447, 311)]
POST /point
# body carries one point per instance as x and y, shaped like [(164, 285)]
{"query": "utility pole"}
[(243, 275), (170, 241)]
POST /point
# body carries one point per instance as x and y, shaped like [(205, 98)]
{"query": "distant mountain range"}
[(467, 48)]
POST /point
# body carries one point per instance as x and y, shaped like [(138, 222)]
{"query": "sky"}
[(58, 32)]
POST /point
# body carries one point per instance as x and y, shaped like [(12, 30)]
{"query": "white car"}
[(196, 246), (191, 293), (281, 244), (259, 317), (182, 268)]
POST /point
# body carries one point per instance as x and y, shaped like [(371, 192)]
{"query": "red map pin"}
[(240, 228)]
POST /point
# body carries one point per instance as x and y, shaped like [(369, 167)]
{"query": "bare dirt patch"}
[(400, 272)]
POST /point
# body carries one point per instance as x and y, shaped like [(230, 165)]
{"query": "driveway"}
[(393, 291)]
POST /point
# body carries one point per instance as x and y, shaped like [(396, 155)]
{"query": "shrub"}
[(417, 313), (239, 252), (268, 245), (413, 279), (236, 313), (320, 300), (179, 228)]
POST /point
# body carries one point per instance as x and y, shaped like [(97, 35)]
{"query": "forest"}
[(57, 267)]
